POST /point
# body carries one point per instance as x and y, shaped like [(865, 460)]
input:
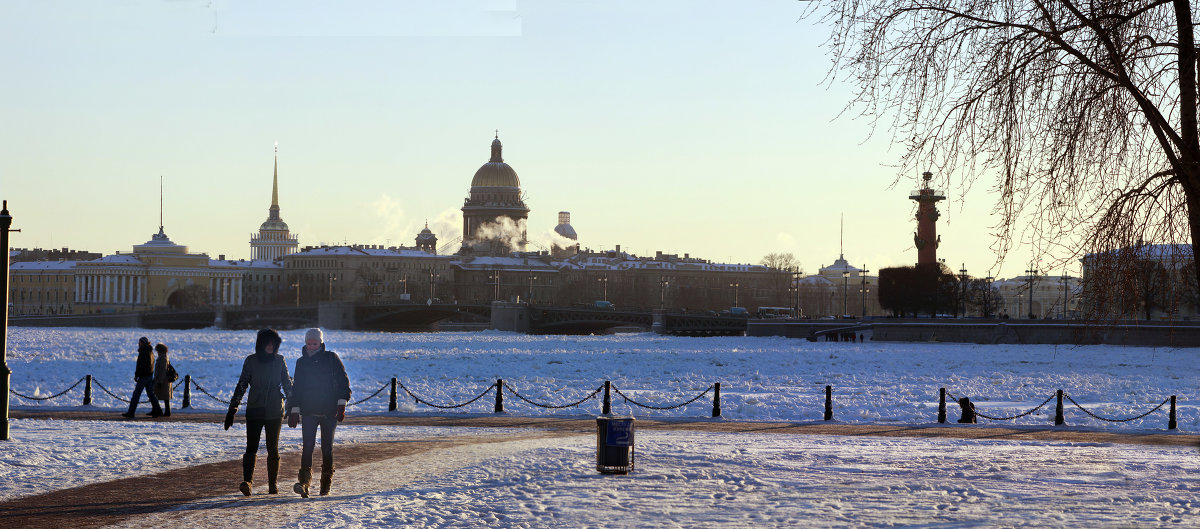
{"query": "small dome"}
[(496, 173), (273, 224), (567, 231)]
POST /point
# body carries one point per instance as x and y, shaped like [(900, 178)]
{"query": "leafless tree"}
[(782, 261), (1084, 111)]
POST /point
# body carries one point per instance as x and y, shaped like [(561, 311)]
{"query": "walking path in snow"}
[(205, 495), (579, 424)]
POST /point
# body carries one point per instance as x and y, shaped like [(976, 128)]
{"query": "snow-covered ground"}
[(683, 478)]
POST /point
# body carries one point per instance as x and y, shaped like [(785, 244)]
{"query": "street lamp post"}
[(296, 286), (603, 279), (962, 284), (1031, 274), (495, 277), (988, 300), (5, 372), (845, 283), (530, 293), (432, 278), (735, 285), (863, 275), (795, 291), (1066, 292), (332, 278), (663, 283)]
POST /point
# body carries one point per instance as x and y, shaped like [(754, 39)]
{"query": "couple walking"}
[(155, 377), (315, 398)]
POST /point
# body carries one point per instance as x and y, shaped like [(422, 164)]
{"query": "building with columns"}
[(274, 239)]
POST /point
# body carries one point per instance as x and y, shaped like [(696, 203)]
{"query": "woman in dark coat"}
[(319, 397), (265, 374), (164, 378)]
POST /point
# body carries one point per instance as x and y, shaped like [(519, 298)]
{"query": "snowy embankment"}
[(762, 379), (682, 478)]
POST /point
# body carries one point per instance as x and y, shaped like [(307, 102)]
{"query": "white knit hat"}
[(314, 333)]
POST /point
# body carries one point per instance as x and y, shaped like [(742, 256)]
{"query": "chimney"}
[(618, 248), (221, 257)]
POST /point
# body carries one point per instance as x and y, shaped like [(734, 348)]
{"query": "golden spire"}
[(275, 184)]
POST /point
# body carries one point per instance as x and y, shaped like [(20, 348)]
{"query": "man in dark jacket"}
[(143, 377), (319, 396), (265, 373)]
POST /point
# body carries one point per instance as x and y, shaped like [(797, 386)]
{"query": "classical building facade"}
[(366, 274), (274, 239), (837, 290), (494, 215)]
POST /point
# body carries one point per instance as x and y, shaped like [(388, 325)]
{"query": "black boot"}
[(304, 478), (326, 477), (247, 474), (272, 474)]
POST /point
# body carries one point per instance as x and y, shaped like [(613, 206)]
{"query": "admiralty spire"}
[(273, 240)]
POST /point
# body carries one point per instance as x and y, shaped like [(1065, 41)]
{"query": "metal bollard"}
[(87, 390), (499, 395), (829, 403), (187, 391), (717, 399), (1171, 418), (1058, 412), (942, 406), (606, 404), (392, 401)]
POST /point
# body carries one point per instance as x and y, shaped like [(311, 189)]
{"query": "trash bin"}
[(614, 445)]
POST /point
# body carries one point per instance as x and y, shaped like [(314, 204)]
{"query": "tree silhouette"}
[(1084, 112)]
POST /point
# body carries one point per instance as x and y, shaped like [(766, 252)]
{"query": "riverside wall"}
[(1161, 334)]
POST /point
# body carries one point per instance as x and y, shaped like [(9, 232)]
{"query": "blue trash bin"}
[(614, 445)]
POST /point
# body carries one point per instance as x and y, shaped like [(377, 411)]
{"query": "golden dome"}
[(496, 173)]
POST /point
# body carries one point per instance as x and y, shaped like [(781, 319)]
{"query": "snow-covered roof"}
[(244, 263), (43, 265), (324, 251), (116, 259)]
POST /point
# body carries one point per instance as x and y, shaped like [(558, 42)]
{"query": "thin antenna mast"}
[(842, 236), (160, 202)]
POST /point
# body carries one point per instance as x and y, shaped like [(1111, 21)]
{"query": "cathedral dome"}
[(496, 173)]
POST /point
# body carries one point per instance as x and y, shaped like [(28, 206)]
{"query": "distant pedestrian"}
[(319, 398), (164, 378), (143, 377), (968, 411), (265, 374)]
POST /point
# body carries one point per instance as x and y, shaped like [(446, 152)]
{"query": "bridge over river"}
[(411, 317)]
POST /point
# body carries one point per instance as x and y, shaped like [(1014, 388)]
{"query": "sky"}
[(700, 127)]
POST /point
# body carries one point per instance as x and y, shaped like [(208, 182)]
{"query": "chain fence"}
[(500, 385)]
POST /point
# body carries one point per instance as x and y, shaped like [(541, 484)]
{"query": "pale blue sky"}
[(698, 127)]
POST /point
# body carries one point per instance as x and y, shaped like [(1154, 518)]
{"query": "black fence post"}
[(187, 391), (942, 406), (392, 400), (87, 390), (1171, 418), (606, 404), (1058, 412), (499, 395), (829, 403), (717, 399)]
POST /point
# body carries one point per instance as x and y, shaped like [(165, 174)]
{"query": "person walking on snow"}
[(164, 377), (265, 374), (143, 376), (319, 396)]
